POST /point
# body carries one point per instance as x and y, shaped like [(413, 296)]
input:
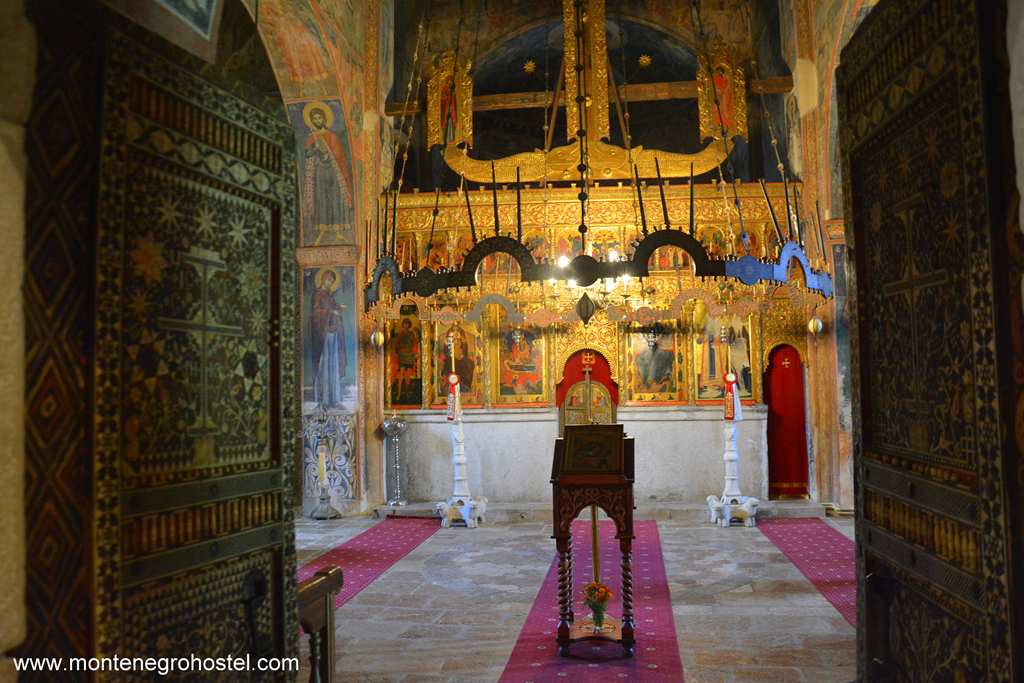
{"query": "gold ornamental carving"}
[(610, 206), (784, 323), (607, 162), (595, 54), (600, 334)]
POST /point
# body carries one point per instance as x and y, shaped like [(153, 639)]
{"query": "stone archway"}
[(19, 74)]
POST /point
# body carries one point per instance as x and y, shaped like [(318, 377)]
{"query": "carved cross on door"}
[(203, 326), (912, 284)]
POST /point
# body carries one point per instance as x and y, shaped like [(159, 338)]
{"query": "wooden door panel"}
[(919, 176), (195, 387), (787, 425)]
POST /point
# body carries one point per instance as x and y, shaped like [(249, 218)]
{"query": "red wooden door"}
[(787, 425)]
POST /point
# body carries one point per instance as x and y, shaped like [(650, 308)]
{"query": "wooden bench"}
[(316, 616)]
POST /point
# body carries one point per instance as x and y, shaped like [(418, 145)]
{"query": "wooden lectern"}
[(593, 466)]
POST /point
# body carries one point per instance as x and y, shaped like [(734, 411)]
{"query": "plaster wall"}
[(678, 453), (17, 73)]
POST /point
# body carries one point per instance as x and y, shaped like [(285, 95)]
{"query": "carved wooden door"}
[(194, 385), (937, 361)]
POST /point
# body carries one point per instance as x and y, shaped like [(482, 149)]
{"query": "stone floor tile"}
[(453, 607)]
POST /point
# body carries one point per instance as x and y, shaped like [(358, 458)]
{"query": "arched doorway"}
[(787, 424), (587, 394), (201, 228)]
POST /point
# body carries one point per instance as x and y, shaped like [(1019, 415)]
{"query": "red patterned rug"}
[(535, 656), (371, 553), (825, 556)]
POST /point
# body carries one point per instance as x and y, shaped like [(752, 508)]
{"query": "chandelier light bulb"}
[(613, 255), (572, 283), (563, 261)]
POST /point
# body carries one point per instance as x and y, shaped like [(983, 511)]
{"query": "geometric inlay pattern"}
[(194, 383), (921, 160)]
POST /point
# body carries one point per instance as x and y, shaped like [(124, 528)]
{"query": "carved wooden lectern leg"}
[(564, 595), (628, 625), (572, 584)]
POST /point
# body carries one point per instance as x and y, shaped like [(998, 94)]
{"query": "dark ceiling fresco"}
[(638, 54), (477, 26), (501, 69), (517, 47)]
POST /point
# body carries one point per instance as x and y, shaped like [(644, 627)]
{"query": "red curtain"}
[(787, 425), (600, 372)]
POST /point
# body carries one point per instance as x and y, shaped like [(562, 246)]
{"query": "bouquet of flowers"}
[(596, 596)]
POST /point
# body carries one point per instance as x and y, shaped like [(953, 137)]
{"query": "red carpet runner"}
[(535, 656), (371, 553), (824, 555)]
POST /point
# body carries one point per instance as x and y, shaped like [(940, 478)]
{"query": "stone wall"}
[(813, 36), (678, 453), (17, 73), (1015, 46)]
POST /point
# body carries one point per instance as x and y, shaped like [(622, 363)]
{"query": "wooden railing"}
[(316, 616)]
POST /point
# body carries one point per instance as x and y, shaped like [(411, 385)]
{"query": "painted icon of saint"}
[(654, 366), (436, 253), (711, 355), (465, 364), (520, 363), (405, 344), (449, 109), (723, 88)]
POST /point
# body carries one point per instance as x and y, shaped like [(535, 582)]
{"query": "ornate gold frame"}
[(679, 368), (493, 343), (784, 323), (443, 70), (721, 59), (480, 373), (390, 322), (753, 322)]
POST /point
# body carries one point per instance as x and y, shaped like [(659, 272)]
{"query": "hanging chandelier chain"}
[(408, 120), (581, 131), (415, 77), (627, 136)]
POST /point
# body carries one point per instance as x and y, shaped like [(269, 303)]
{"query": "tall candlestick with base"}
[(461, 509), (732, 505)]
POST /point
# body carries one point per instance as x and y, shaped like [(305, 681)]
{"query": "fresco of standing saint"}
[(300, 57), (328, 215), (329, 339)]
